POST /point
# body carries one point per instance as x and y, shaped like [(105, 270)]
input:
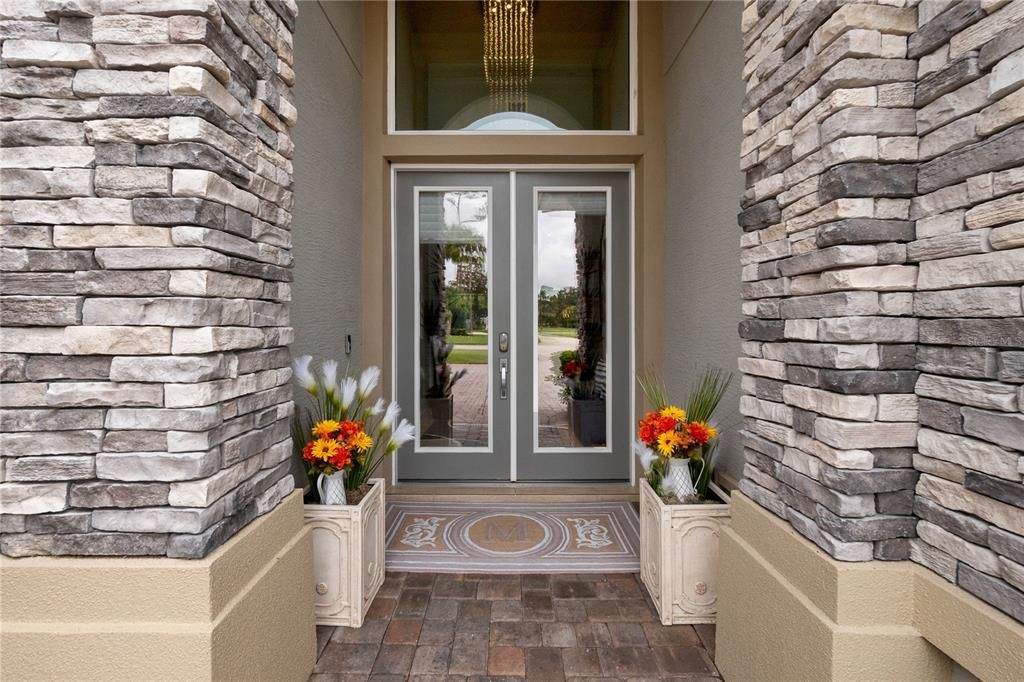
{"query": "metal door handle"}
[(503, 378), (503, 342)]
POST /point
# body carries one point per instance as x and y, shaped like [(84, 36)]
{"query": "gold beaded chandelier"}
[(508, 52)]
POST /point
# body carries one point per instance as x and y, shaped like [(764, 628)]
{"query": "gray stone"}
[(156, 466), (843, 551), (940, 415), (129, 182), (760, 215), (33, 498), (992, 590), (1009, 40), (36, 81), (857, 506), (64, 522), (829, 258), (110, 494), (51, 468), (762, 330), (26, 544), (1007, 544), (41, 311), (968, 392), (178, 211), (963, 525), (864, 231), (893, 458), (1008, 333), (28, 444), (867, 382), (897, 356), (1005, 429), (899, 502), (959, 361), (854, 482), (945, 246), (1011, 366), (48, 367), (110, 544), (871, 529), (135, 441), (867, 180), (996, 488), (895, 549)]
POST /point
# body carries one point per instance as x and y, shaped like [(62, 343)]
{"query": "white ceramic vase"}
[(332, 488), (677, 479)]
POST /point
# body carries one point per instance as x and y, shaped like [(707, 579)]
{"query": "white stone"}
[(203, 492), (31, 340), (940, 468), (982, 269), (800, 461), (968, 452), (841, 459), (954, 496), (855, 435), (214, 339), (1008, 236), (765, 368), (159, 258), (897, 407), (194, 80), (972, 302), (1007, 75), (137, 130), (93, 236), (129, 28), (988, 394), (102, 393), (856, 407), (33, 498), (85, 340), (97, 82), (78, 210), (765, 409), (944, 223), (48, 184), (182, 419), (48, 53), (867, 329), (47, 157), (806, 330), (207, 185), (162, 57), (174, 368), (1012, 572), (155, 466)]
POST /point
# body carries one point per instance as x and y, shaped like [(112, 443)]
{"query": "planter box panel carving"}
[(348, 557), (679, 556)]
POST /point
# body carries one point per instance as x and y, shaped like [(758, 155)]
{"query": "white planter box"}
[(679, 555), (348, 557)]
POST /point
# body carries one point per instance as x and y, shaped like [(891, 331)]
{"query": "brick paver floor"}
[(426, 627)]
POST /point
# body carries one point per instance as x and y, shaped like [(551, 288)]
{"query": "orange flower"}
[(325, 428), (349, 428), (700, 432)]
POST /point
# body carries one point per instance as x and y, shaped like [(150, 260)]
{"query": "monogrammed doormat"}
[(513, 537)]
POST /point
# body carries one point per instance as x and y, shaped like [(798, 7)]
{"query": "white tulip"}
[(348, 391), (300, 366), (647, 456), (368, 381), (402, 435), (377, 407), (390, 415), (330, 372)]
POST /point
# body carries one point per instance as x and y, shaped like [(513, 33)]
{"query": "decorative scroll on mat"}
[(513, 537)]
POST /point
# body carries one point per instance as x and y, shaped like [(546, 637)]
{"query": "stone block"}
[(98, 236), (988, 394), (135, 130), (58, 183), (106, 340), (998, 267), (760, 215), (991, 154), (933, 559), (952, 76), (968, 452), (943, 26), (176, 369), (130, 182), (44, 367), (63, 522), (824, 305), (1008, 333), (939, 468), (98, 394), (762, 330), (130, 29), (844, 551), (863, 231), (855, 435), (867, 180), (1002, 114), (962, 525), (899, 502), (1011, 366), (50, 468), (179, 419), (949, 245), (109, 544), (216, 339), (177, 312), (896, 407), (871, 529), (37, 81), (854, 482), (1011, 492), (194, 80), (1005, 429), (858, 408), (40, 311), (27, 444), (156, 466), (867, 330), (895, 549), (972, 302), (940, 415), (79, 211), (204, 492), (829, 258), (45, 53), (1008, 236), (33, 498), (178, 211), (994, 213), (1007, 544), (867, 382), (875, 278), (101, 82), (94, 494)]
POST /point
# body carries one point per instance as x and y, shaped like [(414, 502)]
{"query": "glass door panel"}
[(572, 308), (454, 335)]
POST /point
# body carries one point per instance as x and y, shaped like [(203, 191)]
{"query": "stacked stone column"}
[(146, 178), (882, 280)]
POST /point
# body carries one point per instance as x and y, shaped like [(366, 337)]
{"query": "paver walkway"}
[(426, 627)]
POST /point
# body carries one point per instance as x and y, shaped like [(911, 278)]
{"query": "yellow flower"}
[(325, 428), (325, 448), (713, 432), (673, 412), (667, 443), (361, 442)]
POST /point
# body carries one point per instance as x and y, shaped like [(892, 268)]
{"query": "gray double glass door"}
[(512, 332)]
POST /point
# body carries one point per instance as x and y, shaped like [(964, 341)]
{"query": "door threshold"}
[(527, 492)]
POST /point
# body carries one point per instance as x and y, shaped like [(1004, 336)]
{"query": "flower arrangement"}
[(340, 429), (670, 432), (567, 372)]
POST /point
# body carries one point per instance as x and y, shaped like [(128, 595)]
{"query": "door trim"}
[(512, 169)]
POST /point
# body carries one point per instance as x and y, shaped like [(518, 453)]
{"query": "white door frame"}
[(512, 169)]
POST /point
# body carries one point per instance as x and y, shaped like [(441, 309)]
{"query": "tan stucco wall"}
[(790, 612), (327, 225), (702, 63), (244, 612)]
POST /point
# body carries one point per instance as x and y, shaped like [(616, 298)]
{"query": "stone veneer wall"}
[(145, 272), (882, 281)]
